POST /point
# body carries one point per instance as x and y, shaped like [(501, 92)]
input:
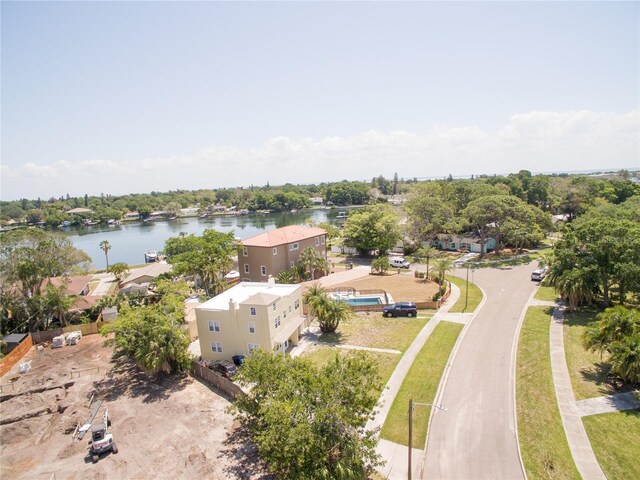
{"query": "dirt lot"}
[(403, 287), (177, 428)]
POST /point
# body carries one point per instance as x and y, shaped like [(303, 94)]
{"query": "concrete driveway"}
[(476, 437)]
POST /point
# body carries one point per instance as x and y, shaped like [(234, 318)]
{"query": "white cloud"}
[(537, 141)]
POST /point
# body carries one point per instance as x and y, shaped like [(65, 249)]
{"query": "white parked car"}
[(398, 262)]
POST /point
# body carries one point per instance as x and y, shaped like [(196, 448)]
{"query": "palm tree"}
[(285, 276), (615, 325), (625, 358), (332, 313), (443, 265), (311, 259), (576, 285), (56, 304), (120, 270), (105, 246), (427, 253), (315, 299)]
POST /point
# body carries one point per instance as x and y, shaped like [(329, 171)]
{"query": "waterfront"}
[(130, 240)]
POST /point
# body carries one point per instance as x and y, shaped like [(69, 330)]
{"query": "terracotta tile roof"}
[(283, 236)]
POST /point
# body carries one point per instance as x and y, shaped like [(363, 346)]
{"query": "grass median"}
[(421, 385), (475, 295), (543, 443)]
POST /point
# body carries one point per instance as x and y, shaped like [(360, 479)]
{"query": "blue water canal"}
[(129, 241)]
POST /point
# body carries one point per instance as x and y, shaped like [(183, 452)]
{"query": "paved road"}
[(475, 438)]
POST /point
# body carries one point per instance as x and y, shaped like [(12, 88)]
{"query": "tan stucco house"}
[(271, 252), (249, 316)]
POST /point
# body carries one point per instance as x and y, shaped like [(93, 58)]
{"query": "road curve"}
[(476, 437)]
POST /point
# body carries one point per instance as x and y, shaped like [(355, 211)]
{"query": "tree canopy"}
[(207, 256), (153, 335), (372, 228), (309, 422), (599, 251), (27, 258)]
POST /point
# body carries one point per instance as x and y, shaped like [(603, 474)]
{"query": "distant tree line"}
[(569, 195)]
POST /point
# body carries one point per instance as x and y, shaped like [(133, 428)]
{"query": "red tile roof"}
[(283, 236)]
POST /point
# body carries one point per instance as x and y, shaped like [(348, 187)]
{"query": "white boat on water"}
[(151, 256), (341, 215)]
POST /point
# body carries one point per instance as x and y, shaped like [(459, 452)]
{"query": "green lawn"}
[(475, 295), (374, 330), (320, 355), (421, 385), (615, 438), (543, 443), (546, 293), (587, 370)]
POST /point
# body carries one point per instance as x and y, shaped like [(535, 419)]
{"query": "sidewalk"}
[(609, 403), (395, 455), (577, 438)]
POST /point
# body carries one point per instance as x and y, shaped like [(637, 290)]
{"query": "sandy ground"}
[(403, 287), (177, 428)]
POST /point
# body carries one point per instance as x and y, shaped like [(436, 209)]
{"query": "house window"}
[(275, 250), (246, 268), (277, 322), (252, 347), (252, 327), (322, 239), (216, 347), (284, 313), (274, 306), (297, 304), (263, 270), (252, 311), (245, 252), (291, 264), (290, 308), (214, 326), (294, 246), (317, 241)]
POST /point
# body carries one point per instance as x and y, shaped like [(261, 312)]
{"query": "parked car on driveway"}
[(224, 368), (400, 309)]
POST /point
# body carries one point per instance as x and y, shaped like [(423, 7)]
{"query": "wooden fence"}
[(15, 355), (217, 380), (85, 328)]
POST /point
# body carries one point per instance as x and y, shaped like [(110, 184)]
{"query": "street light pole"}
[(466, 293), (411, 404)]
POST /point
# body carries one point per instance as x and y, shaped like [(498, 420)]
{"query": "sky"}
[(133, 97)]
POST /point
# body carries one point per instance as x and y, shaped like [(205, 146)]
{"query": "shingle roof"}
[(73, 285), (152, 270), (283, 236)]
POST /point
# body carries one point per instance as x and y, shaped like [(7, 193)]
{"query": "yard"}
[(403, 287), (174, 428)]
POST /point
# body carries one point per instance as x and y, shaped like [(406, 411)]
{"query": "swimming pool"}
[(354, 301), (364, 301)]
